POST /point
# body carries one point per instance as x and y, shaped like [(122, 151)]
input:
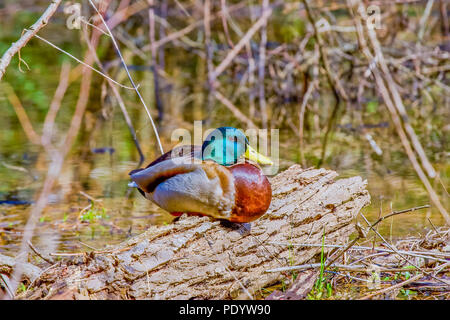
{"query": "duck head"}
[(226, 145)]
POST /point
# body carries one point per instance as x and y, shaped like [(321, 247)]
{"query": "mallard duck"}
[(219, 179)]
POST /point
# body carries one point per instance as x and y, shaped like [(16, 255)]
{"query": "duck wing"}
[(186, 151), (149, 178), (189, 151), (182, 185)]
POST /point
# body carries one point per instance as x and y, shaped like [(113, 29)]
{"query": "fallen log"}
[(199, 258)]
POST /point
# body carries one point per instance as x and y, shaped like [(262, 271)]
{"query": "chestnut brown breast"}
[(253, 193)]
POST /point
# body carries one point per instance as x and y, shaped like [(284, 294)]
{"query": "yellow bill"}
[(253, 155)]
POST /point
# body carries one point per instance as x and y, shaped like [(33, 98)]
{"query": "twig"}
[(224, 15), (129, 76), (52, 174), (209, 58), (153, 61), (399, 285), (183, 9), (41, 273), (342, 252), (84, 64), (262, 68), (444, 17), (39, 254), (121, 104), (237, 113), (251, 80), (180, 33), (84, 194), (396, 98), (399, 212), (399, 253), (429, 255), (372, 226), (441, 268), (7, 285), (301, 116), (89, 246), (423, 20), (38, 25), (317, 265), (164, 7), (245, 39)]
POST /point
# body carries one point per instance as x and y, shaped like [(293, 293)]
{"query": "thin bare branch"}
[(19, 44)]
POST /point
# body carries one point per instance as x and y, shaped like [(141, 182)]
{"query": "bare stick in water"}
[(129, 76)]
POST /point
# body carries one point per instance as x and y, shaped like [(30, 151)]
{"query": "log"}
[(200, 258)]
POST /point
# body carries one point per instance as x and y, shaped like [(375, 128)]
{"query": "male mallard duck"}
[(208, 180)]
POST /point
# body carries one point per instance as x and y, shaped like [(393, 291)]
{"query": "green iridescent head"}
[(225, 145)]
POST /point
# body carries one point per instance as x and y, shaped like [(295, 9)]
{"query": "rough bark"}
[(199, 258)]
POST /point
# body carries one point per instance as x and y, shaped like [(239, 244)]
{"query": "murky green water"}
[(123, 212)]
